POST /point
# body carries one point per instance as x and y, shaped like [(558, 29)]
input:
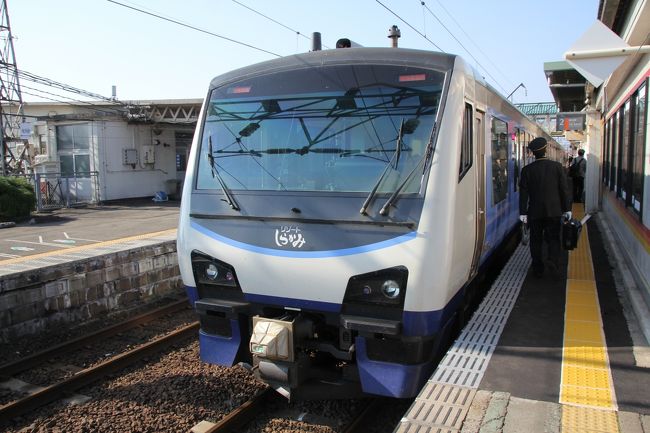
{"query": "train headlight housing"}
[(214, 278), (378, 289)]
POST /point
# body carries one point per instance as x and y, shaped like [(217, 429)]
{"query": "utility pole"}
[(10, 96)]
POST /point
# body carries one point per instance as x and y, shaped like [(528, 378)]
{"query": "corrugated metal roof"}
[(532, 109)]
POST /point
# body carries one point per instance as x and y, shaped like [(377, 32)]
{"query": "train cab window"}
[(341, 132), (466, 147), (499, 160)]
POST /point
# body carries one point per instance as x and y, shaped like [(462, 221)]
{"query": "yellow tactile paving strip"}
[(586, 390), (86, 247)]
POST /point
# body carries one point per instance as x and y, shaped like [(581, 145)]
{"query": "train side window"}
[(499, 160), (517, 157), (466, 145)]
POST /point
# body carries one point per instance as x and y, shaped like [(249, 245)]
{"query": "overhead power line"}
[(407, 23), (461, 44), (192, 27), (40, 95), (79, 103), (28, 76), (297, 32), (496, 68)]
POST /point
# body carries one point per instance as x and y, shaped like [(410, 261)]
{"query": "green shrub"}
[(17, 198)]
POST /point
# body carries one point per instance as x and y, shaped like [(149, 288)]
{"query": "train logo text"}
[(289, 236)]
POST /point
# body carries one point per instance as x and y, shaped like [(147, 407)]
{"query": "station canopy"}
[(567, 86)]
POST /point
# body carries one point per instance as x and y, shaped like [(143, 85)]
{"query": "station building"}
[(615, 113), (98, 151)]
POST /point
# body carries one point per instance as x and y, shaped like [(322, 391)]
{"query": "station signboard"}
[(570, 122)]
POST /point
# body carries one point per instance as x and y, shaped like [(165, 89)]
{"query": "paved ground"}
[(66, 228)]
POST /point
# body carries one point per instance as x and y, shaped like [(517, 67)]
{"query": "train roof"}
[(386, 56)]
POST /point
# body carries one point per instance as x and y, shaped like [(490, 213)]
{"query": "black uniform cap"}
[(537, 144)]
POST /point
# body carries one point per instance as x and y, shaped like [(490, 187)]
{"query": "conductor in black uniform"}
[(543, 200)]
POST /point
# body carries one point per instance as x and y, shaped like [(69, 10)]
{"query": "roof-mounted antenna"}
[(316, 42), (394, 34)]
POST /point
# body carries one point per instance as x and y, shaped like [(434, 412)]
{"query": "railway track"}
[(91, 374), (236, 420)]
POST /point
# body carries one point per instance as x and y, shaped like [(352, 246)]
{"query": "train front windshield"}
[(324, 129)]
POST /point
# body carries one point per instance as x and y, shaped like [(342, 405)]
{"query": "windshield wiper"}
[(215, 173), (424, 161), (398, 150)]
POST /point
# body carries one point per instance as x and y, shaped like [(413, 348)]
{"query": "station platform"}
[(561, 353), (67, 235)]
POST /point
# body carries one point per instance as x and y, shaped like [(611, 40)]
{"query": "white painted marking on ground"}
[(80, 239), (39, 243), (22, 249)]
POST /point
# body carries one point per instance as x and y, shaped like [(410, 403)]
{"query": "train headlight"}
[(212, 272), (390, 289), (382, 288)]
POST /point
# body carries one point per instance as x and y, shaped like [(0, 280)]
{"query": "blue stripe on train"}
[(305, 254)]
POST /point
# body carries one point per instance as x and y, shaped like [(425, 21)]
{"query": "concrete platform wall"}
[(59, 295)]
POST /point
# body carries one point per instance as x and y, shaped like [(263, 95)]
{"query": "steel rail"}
[(242, 414), (11, 368), (357, 425), (92, 374)]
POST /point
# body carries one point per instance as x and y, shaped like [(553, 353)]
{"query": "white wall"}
[(118, 180)]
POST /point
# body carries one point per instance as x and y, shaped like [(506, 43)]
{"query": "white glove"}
[(523, 219), (567, 215)]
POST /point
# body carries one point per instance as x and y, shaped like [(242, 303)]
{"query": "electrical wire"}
[(275, 21), (406, 22), (86, 104), (461, 44), (63, 102), (472, 41), (192, 27), (66, 87)]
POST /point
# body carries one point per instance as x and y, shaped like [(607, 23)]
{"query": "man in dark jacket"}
[(577, 171), (543, 201)]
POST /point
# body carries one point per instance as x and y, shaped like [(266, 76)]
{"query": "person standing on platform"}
[(577, 171), (543, 201)]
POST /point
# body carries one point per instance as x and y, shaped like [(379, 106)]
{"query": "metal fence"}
[(58, 190)]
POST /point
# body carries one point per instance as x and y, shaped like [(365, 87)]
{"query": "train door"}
[(479, 140)]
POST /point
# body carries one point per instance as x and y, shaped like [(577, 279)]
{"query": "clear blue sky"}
[(94, 44)]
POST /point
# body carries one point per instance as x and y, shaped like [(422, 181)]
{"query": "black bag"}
[(571, 233), (525, 234)]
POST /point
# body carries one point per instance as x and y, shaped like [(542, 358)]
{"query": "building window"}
[(637, 150), (466, 142), (499, 160), (625, 153), (613, 152), (183, 143), (73, 144)]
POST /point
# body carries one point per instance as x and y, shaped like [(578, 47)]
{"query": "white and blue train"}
[(338, 207)]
